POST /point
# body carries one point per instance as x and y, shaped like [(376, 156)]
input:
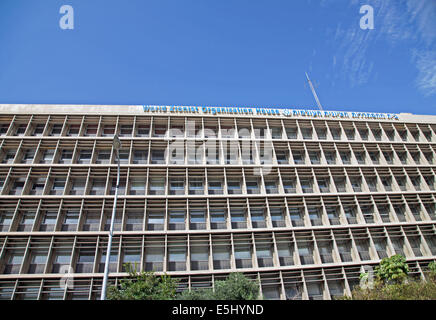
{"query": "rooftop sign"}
[(270, 112)]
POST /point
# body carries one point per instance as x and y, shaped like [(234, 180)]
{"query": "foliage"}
[(143, 286), (235, 287), (392, 283), (392, 270), (432, 270), (410, 290)]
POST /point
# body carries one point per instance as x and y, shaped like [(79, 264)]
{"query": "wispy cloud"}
[(396, 21)]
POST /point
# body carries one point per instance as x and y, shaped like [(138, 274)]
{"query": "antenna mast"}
[(314, 92)]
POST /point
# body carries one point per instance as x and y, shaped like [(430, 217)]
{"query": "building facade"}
[(302, 200)]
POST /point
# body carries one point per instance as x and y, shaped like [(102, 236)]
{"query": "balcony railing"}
[(279, 223), (265, 262), (286, 261), (258, 224), (176, 266), (218, 225), (239, 225), (364, 255), (197, 225), (298, 223), (177, 226), (221, 264), (155, 226), (326, 258), (243, 263), (306, 260), (316, 222), (154, 266), (200, 265), (36, 268), (346, 256), (84, 267)]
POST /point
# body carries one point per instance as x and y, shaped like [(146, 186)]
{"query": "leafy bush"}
[(143, 286), (235, 287), (392, 270)]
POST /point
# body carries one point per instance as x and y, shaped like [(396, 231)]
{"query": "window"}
[(66, 156), (196, 186), (237, 217), (4, 129), (258, 218), (323, 185), (137, 186), (330, 157), (291, 133), (155, 220), (154, 258), (177, 186), (5, 220), (14, 261), (73, 130), (27, 220), (85, 156), (39, 129), (298, 157), (350, 134), (217, 218), (356, 184), (197, 219), (37, 186), (48, 221), (157, 186), (306, 185), (140, 156), (360, 157), (9, 156), (108, 130), (132, 256), (56, 129), (271, 186), (314, 157), (91, 130), (126, 130), (177, 219), (103, 156), (21, 129), (374, 156), (215, 187), (58, 186), (61, 261), (276, 132), (321, 133), (28, 156), (143, 131), (37, 261), (47, 156), (159, 131), (124, 156), (70, 221), (92, 222), (340, 184), (134, 221), (85, 261), (78, 186), (252, 186), (121, 187), (277, 218), (345, 157), (336, 133), (282, 157), (307, 133), (158, 156), (17, 186), (234, 187), (259, 132), (289, 185), (98, 187)]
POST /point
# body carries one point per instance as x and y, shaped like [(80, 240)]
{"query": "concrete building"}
[(301, 200)]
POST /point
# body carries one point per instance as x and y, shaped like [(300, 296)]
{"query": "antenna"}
[(314, 92)]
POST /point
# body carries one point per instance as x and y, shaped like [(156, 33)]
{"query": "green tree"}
[(432, 270), (392, 270), (235, 287), (143, 286)]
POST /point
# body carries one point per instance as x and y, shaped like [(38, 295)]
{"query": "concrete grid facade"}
[(312, 201)]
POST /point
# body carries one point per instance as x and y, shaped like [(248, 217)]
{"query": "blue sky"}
[(221, 53)]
